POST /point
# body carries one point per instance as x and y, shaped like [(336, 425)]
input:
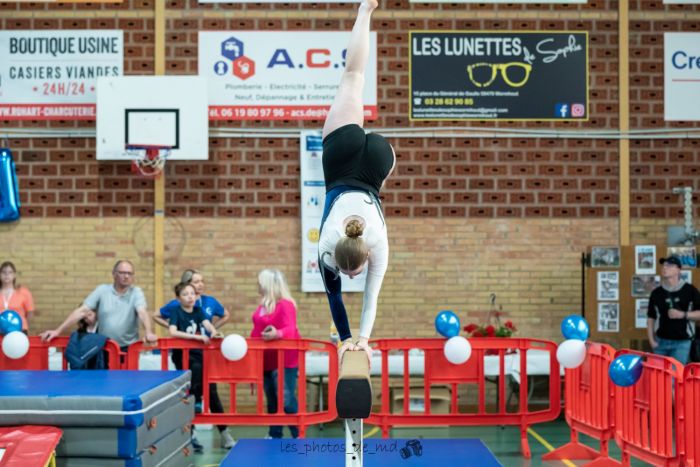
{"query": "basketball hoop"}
[(148, 161)]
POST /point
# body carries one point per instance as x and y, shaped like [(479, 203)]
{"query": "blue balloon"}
[(9, 191), (626, 369), (575, 327), (447, 324), (10, 321)]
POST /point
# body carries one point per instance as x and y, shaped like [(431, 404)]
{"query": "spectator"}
[(276, 318), (188, 322), (213, 311), (674, 304), (16, 297), (119, 305)]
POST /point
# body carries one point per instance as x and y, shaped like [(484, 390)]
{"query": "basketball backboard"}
[(167, 111)]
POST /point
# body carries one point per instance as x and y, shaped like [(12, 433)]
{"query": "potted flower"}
[(493, 327), (490, 330)]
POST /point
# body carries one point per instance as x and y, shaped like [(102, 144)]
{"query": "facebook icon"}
[(561, 110)]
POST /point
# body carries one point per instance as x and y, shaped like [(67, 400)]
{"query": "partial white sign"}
[(278, 75), (641, 306), (681, 76), (52, 75)]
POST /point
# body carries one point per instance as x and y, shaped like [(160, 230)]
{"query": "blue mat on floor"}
[(330, 452)]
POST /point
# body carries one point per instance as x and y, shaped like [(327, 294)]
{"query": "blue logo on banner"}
[(232, 48), (315, 183), (314, 143), (221, 68), (561, 110)]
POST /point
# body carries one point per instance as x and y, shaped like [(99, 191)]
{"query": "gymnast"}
[(355, 167)]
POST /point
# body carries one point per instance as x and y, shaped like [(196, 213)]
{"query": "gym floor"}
[(504, 442)]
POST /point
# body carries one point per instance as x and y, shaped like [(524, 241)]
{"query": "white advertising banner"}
[(278, 75), (52, 75), (681, 76), (313, 194)]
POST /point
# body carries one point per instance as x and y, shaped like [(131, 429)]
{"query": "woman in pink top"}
[(276, 318), (15, 297)]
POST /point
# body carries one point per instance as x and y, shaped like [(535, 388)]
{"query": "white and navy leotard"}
[(353, 202)]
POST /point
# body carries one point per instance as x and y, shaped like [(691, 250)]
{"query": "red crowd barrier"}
[(439, 371), (646, 424), (691, 393), (37, 357), (249, 370), (588, 406)]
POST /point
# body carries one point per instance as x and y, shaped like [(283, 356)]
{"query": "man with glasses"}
[(119, 307)]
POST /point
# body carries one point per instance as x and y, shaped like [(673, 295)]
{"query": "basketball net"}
[(148, 161)]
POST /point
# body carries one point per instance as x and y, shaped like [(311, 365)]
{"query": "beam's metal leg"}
[(353, 442)]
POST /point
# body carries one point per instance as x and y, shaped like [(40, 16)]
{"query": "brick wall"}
[(532, 266), (437, 177)]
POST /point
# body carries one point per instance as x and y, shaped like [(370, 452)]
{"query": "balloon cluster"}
[(572, 352), (15, 344), (457, 349)]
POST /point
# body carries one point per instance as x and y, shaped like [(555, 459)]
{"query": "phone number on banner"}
[(277, 112)]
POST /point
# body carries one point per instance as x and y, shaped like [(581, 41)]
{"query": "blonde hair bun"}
[(354, 229)]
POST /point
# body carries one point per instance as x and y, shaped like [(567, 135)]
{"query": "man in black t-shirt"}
[(676, 305)]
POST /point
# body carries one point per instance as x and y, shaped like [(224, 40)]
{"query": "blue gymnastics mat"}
[(330, 452), (88, 398)]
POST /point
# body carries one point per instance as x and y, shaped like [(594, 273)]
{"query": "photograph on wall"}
[(279, 75), (52, 74), (643, 284), (605, 257), (687, 254), (608, 285), (509, 75), (608, 317), (687, 276), (640, 313), (645, 259)]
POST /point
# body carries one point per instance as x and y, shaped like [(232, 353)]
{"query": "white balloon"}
[(15, 345), (571, 353), (234, 347), (457, 350)]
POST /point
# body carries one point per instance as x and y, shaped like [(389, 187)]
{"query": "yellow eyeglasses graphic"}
[(515, 74)]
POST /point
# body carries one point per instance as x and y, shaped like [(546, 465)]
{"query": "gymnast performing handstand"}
[(355, 167)]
